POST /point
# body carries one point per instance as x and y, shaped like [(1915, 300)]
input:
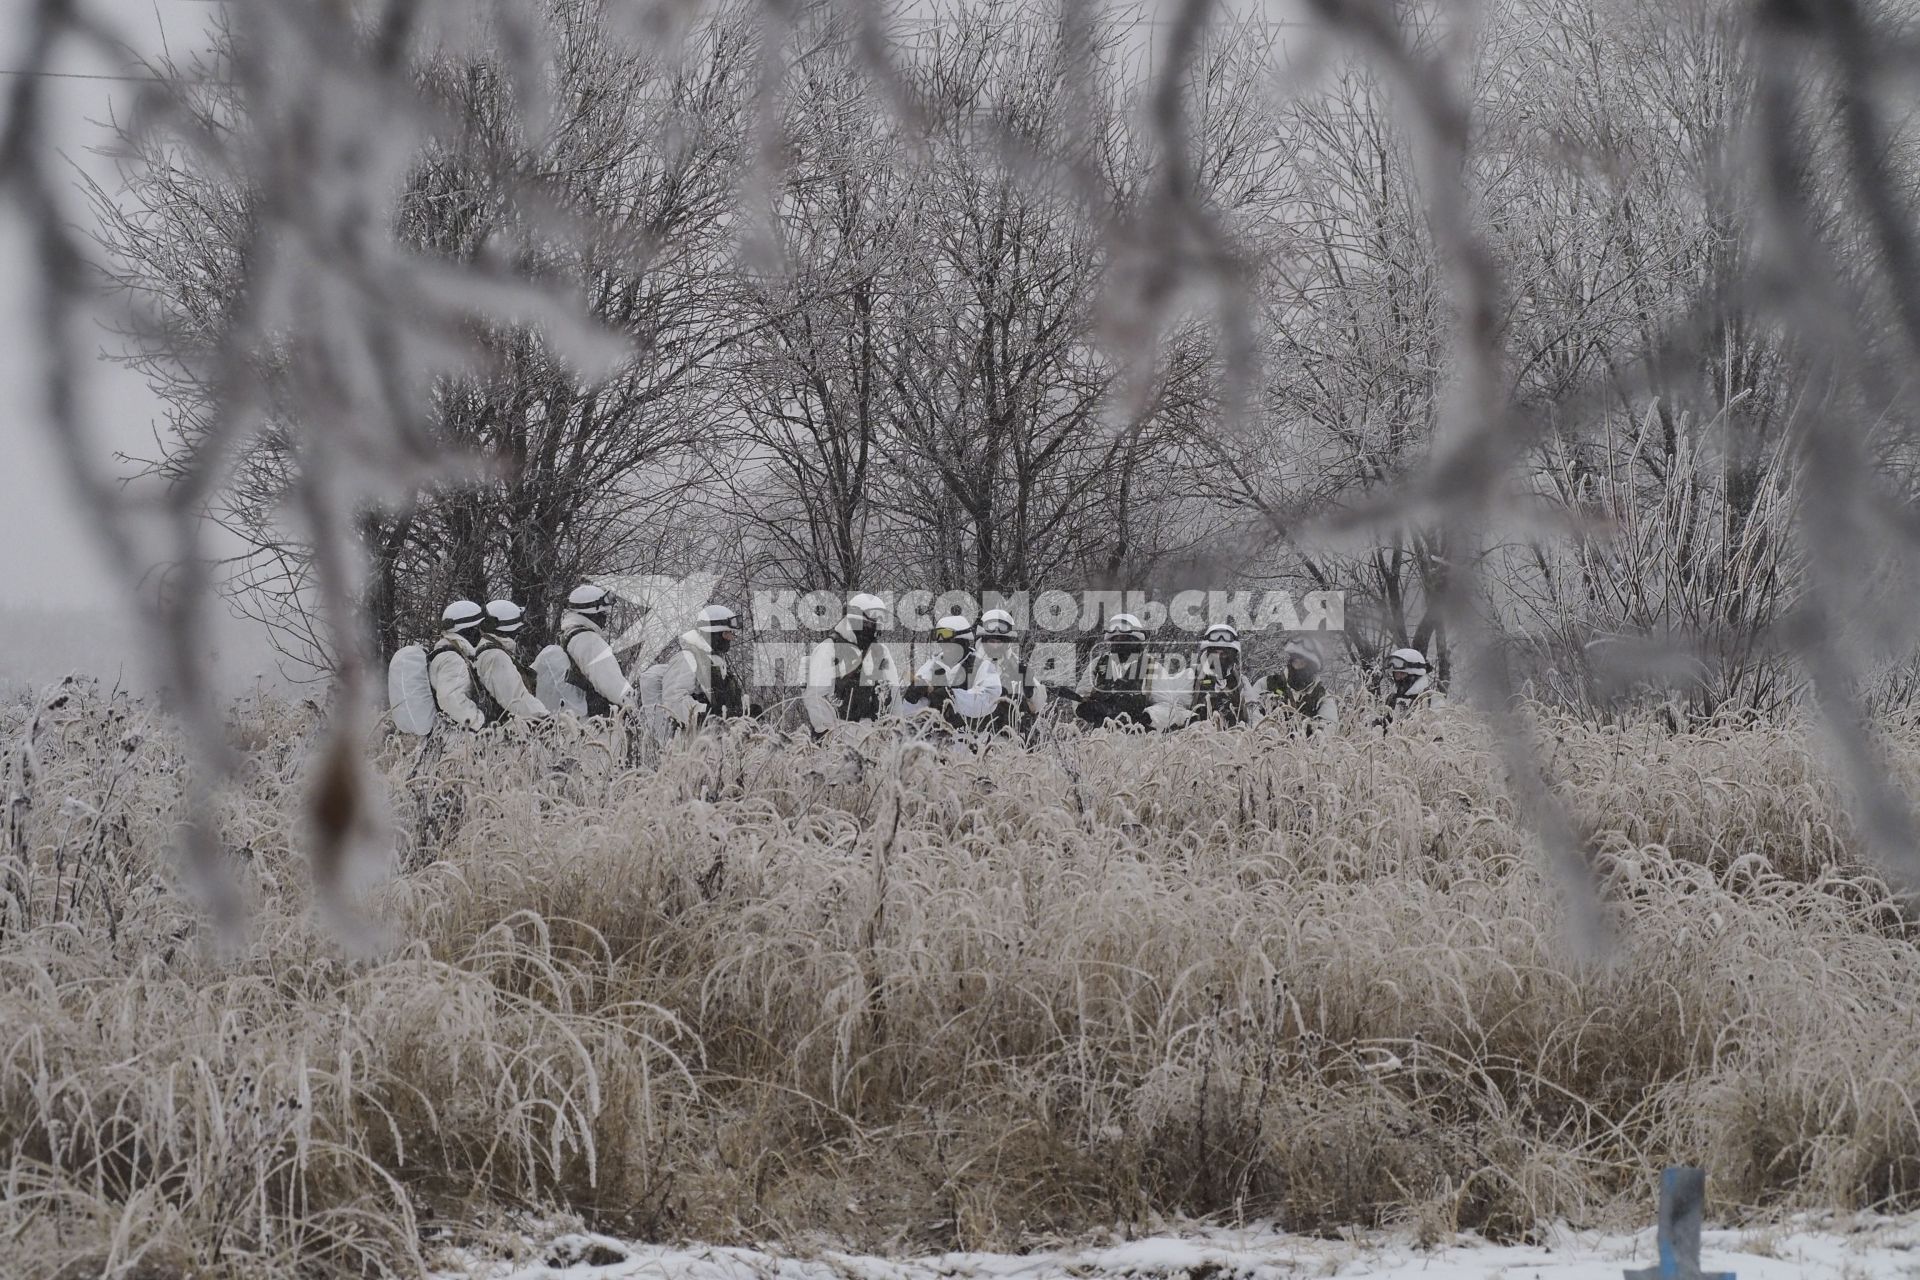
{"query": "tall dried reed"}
[(895, 994)]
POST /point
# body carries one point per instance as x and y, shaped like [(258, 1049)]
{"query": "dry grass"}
[(873, 991)]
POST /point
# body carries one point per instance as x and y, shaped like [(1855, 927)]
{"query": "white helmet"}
[(461, 615), (998, 623), (1407, 660), (1306, 651), (1125, 624), (717, 617), (863, 605), (504, 618), (1221, 635), (590, 600), (954, 629)]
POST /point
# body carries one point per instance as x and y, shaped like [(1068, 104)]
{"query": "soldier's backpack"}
[(410, 691), (552, 684)]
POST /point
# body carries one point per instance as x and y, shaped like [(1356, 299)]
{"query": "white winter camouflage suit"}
[(1178, 692), (836, 656), (451, 672), (1165, 706), (972, 701), (1017, 684), (690, 671), (595, 660), (503, 681)]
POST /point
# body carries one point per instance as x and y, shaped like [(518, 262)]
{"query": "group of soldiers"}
[(977, 681)]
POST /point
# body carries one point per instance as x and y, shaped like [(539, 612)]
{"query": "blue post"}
[(1683, 1202)]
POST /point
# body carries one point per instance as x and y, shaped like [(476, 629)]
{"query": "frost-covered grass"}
[(910, 1001)]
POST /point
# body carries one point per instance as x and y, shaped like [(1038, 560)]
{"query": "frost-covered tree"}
[(942, 387), (601, 169)]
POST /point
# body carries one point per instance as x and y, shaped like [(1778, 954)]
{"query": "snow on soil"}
[(1856, 1249)]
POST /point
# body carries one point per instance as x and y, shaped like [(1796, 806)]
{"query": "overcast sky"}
[(46, 557)]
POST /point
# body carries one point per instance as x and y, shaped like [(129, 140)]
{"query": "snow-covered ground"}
[(1854, 1249)]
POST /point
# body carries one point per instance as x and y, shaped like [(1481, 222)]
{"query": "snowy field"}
[(1854, 1249)]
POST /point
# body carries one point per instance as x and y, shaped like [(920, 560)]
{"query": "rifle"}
[(1101, 705), (934, 695)]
